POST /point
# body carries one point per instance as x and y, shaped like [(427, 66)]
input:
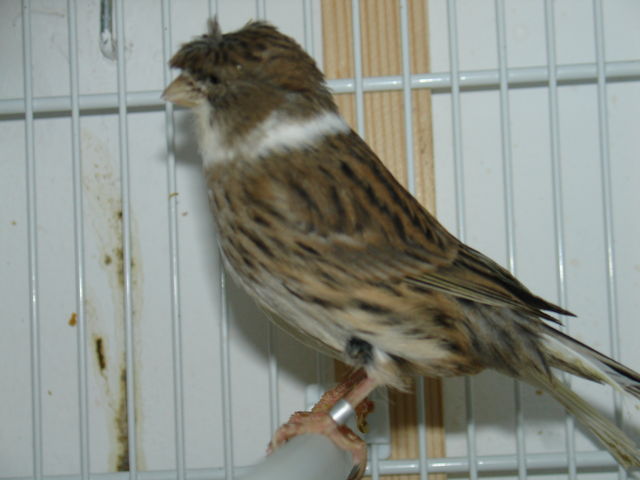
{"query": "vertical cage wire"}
[(357, 66), (607, 203), (125, 195), (310, 46), (227, 423), (460, 207), (272, 354), (407, 97), (274, 396), (373, 467), (261, 9), (224, 344), (213, 7), (558, 207), (307, 13), (507, 172), (32, 234), (224, 348), (225, 362), (373, 464), (79, 244), (174, 259)]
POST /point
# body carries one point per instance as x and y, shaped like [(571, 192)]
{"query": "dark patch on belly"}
[(360, 351)]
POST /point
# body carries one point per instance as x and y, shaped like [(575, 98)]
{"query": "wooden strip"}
[(384, 131)]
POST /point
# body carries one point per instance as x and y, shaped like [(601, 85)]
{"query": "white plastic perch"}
[(308, 457)]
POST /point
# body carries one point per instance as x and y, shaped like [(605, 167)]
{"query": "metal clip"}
[(107, 38)]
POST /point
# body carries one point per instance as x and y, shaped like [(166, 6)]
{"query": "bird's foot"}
[(318, 421)]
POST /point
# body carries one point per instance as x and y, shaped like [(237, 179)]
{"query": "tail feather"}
[(579, 359), (570, 355), (614, 439)]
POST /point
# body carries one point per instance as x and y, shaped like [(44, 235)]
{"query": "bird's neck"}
[(244, 133)]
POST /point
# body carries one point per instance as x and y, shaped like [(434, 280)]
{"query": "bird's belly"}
[(267, 268), (297, 317)]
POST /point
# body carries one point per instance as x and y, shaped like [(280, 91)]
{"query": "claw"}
[(354, 389)]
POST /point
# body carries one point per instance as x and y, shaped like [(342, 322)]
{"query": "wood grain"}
[(384, 130)]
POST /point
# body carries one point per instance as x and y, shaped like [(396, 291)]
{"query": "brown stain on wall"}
[(121, 417), (102, 186), (100, 356), (122, 426)]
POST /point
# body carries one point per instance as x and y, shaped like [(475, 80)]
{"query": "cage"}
[(126, 352)]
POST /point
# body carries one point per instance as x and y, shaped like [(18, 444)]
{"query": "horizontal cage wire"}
[(127, 351)]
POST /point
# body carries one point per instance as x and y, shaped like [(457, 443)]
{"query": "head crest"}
[(213, 28)]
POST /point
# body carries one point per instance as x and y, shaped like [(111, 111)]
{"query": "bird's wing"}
[(473, 276), (468, 274), (347, 215)]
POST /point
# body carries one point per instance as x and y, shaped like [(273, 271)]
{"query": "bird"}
[(315, 228)]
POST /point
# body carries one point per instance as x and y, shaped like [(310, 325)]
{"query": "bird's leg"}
[(355, 390), (357, 397)]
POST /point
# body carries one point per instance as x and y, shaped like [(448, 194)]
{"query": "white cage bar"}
[(438, 82), (36, 378), (78, 220), (557, 199)]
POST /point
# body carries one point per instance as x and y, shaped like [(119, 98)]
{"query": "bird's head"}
[(254, 64)]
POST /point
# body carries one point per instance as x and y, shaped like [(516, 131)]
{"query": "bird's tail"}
[(574, 357), (615, 440), (577, 358)]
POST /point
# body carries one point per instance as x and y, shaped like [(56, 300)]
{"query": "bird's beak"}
[(182, 92)]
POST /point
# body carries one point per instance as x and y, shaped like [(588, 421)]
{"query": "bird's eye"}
[(213, 79)]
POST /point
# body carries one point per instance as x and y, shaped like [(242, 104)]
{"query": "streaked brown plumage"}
[(320, 233)]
